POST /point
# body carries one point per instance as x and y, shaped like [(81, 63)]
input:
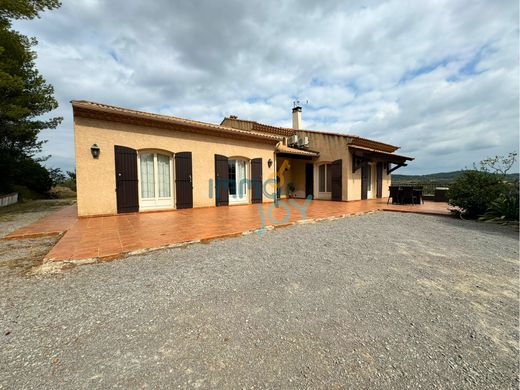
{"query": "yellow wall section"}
[(96, 177)]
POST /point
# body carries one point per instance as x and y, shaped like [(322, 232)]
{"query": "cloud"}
[(439, 78)]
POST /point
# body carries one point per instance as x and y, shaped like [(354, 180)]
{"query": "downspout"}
[(275, 165)]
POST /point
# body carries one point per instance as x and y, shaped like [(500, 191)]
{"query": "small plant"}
[(292, 188)]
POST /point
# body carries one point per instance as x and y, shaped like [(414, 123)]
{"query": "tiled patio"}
[(112, 236)]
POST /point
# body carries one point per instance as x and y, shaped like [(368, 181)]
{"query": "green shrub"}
[(505, 208), (474, 191)]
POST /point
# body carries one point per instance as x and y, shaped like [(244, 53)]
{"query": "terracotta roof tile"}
[(87, 108)]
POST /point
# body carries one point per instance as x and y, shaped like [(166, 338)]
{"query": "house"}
[(129, 161)]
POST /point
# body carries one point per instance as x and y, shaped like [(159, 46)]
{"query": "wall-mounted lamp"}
[(94, 149), (269, 163)]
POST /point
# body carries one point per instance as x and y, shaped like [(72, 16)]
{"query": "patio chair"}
[(394, 194), (407, 195), (418, 190)]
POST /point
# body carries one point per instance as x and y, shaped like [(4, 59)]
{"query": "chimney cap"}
[(297, 108)]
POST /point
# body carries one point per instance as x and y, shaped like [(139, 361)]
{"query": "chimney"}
[(297, 118)]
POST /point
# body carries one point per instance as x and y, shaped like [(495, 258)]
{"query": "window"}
[(147, 176), (155, 180), (163, 175), (324, 177)]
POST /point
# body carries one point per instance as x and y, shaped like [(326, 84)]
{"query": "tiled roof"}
[(250, 125), (109, 112)]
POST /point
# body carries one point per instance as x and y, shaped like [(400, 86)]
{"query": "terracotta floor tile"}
[(110, 236)]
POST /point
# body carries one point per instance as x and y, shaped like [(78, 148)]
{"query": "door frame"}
[(247, 194)]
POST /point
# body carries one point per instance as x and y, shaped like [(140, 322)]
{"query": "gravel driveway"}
[(375, 301)]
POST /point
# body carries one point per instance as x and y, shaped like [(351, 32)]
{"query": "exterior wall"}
[(331, 148), (354, 182), (96, 177), (295, 175)]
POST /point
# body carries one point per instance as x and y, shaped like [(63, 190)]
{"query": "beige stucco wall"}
[(331, 148), (354, 182), (96, 177), (295, 174)]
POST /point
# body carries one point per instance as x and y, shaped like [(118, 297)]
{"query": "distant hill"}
[(442, 177)]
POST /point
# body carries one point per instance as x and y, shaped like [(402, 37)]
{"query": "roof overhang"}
[(361, 154), (99, 111)]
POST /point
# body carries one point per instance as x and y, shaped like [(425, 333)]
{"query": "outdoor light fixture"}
[(94, 149), (270, 163)]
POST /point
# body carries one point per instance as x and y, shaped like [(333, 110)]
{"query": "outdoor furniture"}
[(407, 195), (418, 192), (394, 194), (440, 194)]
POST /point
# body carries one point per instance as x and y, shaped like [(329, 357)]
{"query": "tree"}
[(24, 94), (56, 175), (499, 165)]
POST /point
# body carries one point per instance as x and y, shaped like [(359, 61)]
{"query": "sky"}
[(438, 78)]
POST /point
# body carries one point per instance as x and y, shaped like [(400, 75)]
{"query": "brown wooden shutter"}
[(364, 180), (127, 192), (379, 189), (336, 179), (256, 180), (183, 180), (221, 180)]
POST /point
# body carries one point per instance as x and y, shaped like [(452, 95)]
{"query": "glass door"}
[(237, 181), (155, 181)]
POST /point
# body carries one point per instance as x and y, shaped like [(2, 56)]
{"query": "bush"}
[(474, 191), (505, 208)]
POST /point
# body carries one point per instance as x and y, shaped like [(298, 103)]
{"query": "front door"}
[(183, 180), (309, 180), (126, 179)]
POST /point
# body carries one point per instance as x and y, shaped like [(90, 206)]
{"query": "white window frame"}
[(157, 202), (323, 194)]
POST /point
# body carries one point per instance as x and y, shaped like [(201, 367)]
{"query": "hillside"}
[(441, 177)]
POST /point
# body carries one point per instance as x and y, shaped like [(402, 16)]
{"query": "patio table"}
[(406, 194)]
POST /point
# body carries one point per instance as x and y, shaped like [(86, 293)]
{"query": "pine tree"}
[(24, 94)]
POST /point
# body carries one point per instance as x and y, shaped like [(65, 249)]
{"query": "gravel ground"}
[(384, 300), (22, 255)]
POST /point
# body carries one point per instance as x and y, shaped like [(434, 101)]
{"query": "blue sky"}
[(438, 78)]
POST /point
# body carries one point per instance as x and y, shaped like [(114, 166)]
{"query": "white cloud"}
[(438, 78)]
